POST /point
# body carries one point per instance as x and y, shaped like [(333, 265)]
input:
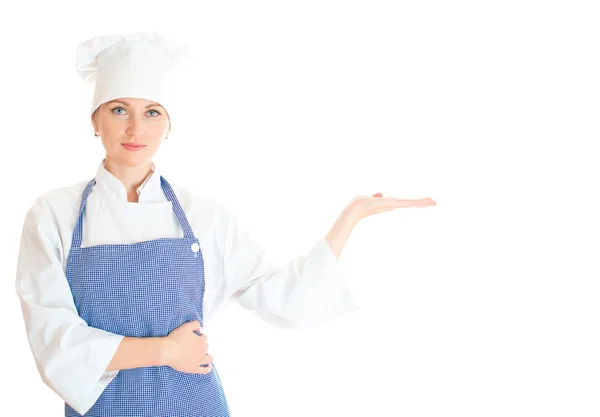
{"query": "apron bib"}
[(145, 289)]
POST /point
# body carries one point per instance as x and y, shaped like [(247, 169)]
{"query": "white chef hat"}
[(140, 65)]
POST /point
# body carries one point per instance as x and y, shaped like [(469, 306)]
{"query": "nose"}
[(135, 127)]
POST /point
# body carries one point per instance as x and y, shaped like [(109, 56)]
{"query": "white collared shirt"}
[(72, 357)]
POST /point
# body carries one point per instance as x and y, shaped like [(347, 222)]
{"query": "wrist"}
[(163, 351)]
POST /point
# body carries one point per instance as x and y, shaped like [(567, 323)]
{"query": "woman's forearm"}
[(340, 231), (137, 352)]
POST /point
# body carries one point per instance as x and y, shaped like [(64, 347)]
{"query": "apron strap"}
[(77, 234), (169, 193), (183, 221)]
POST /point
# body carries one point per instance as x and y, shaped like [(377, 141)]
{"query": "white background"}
[(484, 305)]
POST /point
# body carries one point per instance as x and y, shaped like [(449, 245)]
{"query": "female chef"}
[(116, 274)]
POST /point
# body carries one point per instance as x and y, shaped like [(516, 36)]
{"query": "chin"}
[(123, 157)]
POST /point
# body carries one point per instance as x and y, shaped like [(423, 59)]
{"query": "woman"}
[(117, 274)]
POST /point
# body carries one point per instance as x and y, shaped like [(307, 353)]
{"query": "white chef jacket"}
[(72, 357)]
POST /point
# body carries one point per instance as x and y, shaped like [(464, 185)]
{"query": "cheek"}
[(111, 143), (157, 133), (114, 129), (161, 126)]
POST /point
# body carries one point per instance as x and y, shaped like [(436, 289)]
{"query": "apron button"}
[(195, 247)]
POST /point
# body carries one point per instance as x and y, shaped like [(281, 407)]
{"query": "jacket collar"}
[(150, 191)]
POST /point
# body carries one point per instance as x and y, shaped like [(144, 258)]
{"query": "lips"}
[(133, 146)]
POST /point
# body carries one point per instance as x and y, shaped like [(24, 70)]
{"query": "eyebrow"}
[(127, 104)]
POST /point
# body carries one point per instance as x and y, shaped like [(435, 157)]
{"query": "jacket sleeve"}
[(307, 291), (70, 356)]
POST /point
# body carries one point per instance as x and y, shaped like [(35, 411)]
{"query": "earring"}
[(97, 134)]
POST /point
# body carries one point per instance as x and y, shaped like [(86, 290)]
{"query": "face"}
[(126, 122)]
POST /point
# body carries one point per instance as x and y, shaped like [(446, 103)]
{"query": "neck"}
[(131, 177)]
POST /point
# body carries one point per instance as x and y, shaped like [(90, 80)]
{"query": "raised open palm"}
[(364, 205)]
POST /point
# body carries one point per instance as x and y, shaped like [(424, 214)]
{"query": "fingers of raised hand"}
[(367, 205)]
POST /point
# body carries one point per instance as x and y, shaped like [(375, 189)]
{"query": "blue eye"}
[(121, 108)]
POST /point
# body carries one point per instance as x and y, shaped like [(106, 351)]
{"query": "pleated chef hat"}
[(140, 65)]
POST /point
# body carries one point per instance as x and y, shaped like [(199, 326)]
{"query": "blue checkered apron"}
[(145, 289)]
